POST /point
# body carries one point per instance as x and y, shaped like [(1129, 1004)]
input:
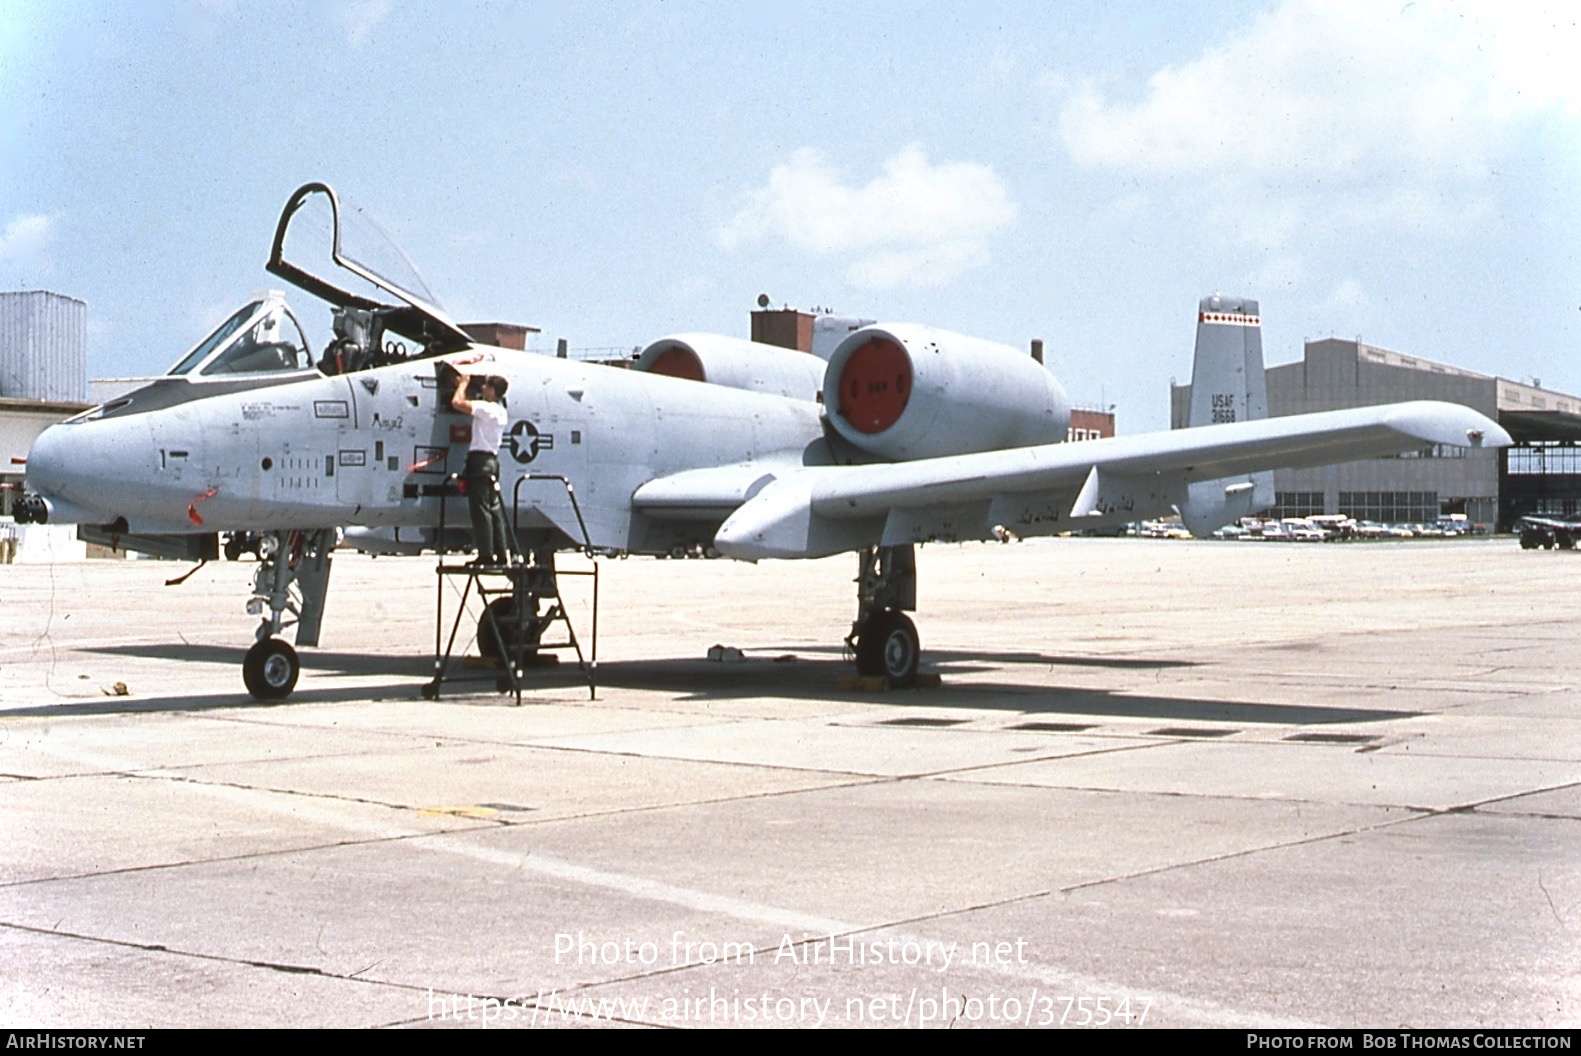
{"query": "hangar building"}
[(1540, 474)]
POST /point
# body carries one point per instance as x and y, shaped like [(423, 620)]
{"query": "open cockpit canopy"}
[(333, 249)]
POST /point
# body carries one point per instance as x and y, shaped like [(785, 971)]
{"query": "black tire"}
[(233, 548), (271, 669), (500, 616), (888, 646)]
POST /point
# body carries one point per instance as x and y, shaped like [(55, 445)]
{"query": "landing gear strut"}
[(883, 636), (291, 581)]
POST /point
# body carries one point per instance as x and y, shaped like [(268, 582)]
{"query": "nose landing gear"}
[(291, 581)]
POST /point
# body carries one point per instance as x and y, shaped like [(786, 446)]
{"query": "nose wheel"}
[(271, 669)]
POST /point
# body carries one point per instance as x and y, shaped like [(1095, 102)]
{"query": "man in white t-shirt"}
[(483, 465)]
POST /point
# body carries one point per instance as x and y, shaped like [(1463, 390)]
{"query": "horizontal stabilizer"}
[(1211, 504)]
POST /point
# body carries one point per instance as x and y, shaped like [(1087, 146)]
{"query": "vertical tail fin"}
[(1227, 375), (1227, 385)]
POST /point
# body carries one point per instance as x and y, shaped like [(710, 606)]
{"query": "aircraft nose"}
[(91, 472), (46, 462)]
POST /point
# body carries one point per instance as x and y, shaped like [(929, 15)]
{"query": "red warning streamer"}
[(192, 510)]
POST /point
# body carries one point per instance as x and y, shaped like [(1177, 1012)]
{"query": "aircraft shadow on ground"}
[(229, 693), (697, 680), (328, 663), (801, 678), (955, 658)]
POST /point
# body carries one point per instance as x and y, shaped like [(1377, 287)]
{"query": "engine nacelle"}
[(735, 363), (906, 391)]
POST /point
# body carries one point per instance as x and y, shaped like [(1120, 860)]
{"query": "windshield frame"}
[(198, 368)]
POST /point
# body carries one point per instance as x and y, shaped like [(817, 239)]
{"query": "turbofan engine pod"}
[(734, 363), (905, 391)]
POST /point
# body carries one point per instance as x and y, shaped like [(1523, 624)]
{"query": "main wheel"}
[(888, 646), (499, 622), (270, 670)]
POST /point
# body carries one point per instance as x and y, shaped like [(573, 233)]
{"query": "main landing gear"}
[(291, 581), (883, 636)]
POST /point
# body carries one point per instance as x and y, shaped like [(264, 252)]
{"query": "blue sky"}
[(1079, 172)]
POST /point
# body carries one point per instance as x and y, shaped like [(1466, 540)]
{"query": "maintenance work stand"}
[(521, 619)]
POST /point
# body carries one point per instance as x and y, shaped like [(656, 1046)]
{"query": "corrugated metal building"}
[(43, 380), (43, 347)]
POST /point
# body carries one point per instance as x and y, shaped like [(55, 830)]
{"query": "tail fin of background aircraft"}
[(1227, 385)]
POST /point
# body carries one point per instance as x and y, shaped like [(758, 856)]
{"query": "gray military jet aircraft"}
[(1548, 533), (917, 435)]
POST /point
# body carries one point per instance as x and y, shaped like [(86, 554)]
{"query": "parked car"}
[(1302, 532), (1334, 525)]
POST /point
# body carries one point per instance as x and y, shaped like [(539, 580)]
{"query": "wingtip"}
[(1449, 423)]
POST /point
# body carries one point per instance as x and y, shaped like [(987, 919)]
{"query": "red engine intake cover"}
[(678, 362), (875, 385)]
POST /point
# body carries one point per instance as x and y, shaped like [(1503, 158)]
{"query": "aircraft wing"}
[(1555, 523), (815, 511)]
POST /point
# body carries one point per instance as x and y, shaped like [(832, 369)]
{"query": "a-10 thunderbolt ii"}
[(908, 435)]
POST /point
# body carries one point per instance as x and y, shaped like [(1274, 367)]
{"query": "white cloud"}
[(25, 237), (1277, 273), (1329, 112), (915, 224), (1346, 301), (1128, 207), (359, 19), (690, 288)]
